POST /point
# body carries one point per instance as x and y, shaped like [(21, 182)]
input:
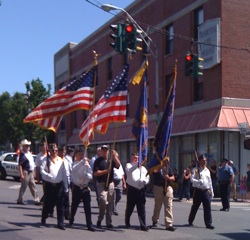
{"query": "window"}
[(169, 39), (198, 20), (198, 84), (110, 72), (11, 158)]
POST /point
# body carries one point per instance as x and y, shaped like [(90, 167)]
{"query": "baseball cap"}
[(104, 147)]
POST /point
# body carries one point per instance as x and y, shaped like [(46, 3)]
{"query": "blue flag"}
[(162, 137), (140, 125)]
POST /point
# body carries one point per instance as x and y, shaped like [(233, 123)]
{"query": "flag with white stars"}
[(76, 95), (111, 107)]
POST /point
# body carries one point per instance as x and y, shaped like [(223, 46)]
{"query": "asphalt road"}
[(23, 222)]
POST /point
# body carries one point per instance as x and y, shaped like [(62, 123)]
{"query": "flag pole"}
[(93, 104), (111, 159)]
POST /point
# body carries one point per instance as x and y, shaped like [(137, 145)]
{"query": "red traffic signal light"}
[(129, 28), (189, 57)]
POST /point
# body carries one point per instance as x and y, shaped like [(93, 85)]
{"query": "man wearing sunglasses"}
[(56, 176)]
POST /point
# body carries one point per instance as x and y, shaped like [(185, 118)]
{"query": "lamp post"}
[(145, 38)]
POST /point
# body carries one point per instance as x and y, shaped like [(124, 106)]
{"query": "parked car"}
[(9, 165)]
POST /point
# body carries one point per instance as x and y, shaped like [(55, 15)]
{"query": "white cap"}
[(25, 142), (231, 162)]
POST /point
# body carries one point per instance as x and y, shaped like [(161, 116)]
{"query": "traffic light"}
[(131, 37), (117, 36), (197, 66), (189, 63)]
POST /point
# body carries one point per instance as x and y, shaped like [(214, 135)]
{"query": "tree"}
[(14, 109)]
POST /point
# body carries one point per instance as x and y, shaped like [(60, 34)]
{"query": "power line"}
[(175, 35)]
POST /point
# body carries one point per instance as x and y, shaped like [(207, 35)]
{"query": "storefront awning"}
[(221, 118)]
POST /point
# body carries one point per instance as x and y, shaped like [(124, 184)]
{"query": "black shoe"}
[(171, 228), (210, 227), (127, 225), (225, 209), (70, 223), (115, 213), (190, 224), (98, 224), (38, 203), (20, 203), (154, 224), (91, 229), (144, 228), (66, 217), (43, 221), (60, 226), (110, 226)]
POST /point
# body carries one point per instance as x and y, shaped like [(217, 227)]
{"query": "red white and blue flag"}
[(111, 107)]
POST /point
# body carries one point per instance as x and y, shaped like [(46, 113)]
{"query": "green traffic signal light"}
[(189, 62), (197, 67)]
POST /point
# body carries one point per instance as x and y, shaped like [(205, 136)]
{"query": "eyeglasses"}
[(53, 150)]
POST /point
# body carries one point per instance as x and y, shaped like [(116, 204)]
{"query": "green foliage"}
[(14, 109)]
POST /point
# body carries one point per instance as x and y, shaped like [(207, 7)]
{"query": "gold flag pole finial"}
[(95, 57)]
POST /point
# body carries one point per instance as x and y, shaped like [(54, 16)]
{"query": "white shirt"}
[(136, 177), (201, 178), (69, 161), (118, 173), (29, 156), (57, 172), (39, 159), (81, 173)]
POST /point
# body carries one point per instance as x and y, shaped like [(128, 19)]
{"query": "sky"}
[(32, 31)]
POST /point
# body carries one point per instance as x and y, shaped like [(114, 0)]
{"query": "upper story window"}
[(198, 20), (110, 72), (169, 39)]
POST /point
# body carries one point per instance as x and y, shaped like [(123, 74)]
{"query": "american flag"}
[(111, 107), (49, 123), (140, 124), (76, 95)]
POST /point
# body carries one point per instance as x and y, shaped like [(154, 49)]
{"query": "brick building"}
[(208, 110)]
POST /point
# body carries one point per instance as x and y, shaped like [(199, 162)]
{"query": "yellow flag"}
[(138, 76)]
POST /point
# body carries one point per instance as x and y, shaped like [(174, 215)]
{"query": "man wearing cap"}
[(226, 178), (203, 192), (26, 167), (103, 171)]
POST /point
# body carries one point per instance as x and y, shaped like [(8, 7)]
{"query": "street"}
[(23, 221)]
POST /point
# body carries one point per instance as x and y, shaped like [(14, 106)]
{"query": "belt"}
[(202, 190)]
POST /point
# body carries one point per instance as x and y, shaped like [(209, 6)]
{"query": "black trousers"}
[(225, 194), (136, 197), (79, 194), (200, 196), (53, 196)]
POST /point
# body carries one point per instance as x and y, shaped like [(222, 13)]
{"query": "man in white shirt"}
[(81, 174), (137, 179), (203, 192), (120, 184), (56, 175)]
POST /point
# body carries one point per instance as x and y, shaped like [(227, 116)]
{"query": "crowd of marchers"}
[(62, 170)]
